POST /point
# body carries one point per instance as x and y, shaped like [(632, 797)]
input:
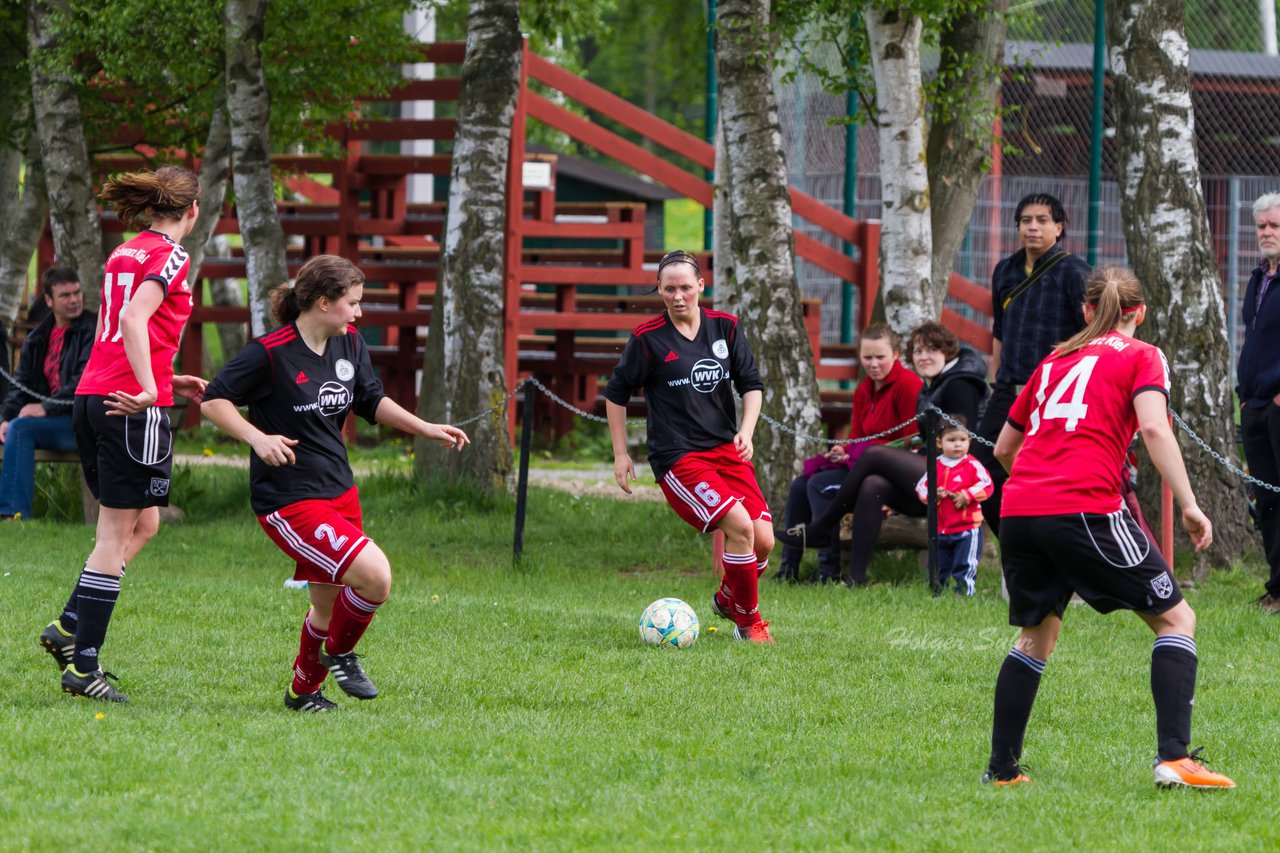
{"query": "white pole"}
[(421, 24), (1267, 21)]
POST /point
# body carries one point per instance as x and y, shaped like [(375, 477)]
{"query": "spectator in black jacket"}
[(36, 412), (1037, 298), (1258, 375)]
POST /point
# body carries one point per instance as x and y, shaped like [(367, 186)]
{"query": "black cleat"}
[(91, 686), (311, 703), (61, 646), (719, 609), (348, 674)]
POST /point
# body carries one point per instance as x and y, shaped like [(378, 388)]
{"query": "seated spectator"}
[(955, 380), (885, 398), (36, 413)]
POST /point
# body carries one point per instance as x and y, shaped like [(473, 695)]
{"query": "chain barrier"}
[(1222, 460), (817, 439), (814, 439), (39, 398)]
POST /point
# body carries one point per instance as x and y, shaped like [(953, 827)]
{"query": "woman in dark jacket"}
[(954, 381)]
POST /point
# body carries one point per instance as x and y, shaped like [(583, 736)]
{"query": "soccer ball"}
[(669, 623)]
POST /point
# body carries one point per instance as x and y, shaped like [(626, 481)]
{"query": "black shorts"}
[(1105, 558), (126, 458)]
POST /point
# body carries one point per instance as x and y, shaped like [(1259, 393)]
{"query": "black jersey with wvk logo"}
[(686, 383), (293, 392)]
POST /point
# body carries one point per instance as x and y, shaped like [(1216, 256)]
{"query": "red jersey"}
[(1077, 413), (151, 256), (967, 475), (894, 402)]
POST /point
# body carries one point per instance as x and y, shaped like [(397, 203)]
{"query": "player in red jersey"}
[(122, 429), (685, 360), (1066, 530), (299, 382)]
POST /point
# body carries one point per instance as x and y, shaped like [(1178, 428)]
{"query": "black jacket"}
[(75, 355), (959, 389), (1258, 368)]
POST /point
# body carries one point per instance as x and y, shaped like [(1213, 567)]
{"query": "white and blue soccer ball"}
[(669, 623)]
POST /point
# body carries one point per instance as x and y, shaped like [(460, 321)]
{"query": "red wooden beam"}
[(547, 274), (584, 230), (847, 229), (439, 89), (404, 164), (967, 331), (385, 130), (615, 146), (623, 111), (971, 294), (824, 257)]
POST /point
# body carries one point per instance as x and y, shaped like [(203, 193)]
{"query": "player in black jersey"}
[(685, 360), (299, 382)]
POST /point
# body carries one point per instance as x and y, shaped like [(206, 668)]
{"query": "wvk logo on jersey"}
[(706, 374), (333, 398)]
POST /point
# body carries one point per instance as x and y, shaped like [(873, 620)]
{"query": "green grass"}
[(520, 710)]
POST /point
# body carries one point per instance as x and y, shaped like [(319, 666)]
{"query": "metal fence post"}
[(522, 482)]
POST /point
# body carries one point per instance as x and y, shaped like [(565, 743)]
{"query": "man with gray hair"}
[(1258, 386)]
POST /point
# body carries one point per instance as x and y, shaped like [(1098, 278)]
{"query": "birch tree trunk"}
[(959, 145), (21, 221), (906, 235), (1167, 237), (761, 286), (464, 371), (249, 110), (215, 164), (73, 209)]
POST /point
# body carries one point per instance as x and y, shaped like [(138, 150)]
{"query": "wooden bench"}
[(87, 501)]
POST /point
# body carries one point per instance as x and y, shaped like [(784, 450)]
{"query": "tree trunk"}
[(1167, 236), (972, 58), (77, 228), (21, 221), (464, 371), (249, 110), (906, 242), (214, 169), (761, 286)]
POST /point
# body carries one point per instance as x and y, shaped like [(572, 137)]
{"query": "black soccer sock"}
[(1016, 687), (67, 619), (96, 596), (1173, 686)]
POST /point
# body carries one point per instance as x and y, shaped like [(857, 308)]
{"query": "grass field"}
[(520, 710)]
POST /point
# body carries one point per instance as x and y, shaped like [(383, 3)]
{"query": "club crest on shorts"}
[(344, 369), (159, 487), (1163, 585)]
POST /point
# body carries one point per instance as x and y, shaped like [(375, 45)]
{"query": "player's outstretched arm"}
[(392, 414), (1153, 423), (624, 470), (275, 450)]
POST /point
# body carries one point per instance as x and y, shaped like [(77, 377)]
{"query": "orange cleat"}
[(1189, 772), (757, 633), (1021, 778)]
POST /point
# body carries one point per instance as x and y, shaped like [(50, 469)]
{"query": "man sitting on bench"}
[(36, 413)]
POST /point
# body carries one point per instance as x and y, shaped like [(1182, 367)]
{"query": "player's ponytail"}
[(141, 198), (1112, 293), (284, 303), (324, 275)]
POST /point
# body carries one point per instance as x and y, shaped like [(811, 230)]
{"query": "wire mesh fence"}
[(1046, 134)]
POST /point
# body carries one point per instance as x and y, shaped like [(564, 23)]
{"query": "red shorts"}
[(704, 484), (322, 536)]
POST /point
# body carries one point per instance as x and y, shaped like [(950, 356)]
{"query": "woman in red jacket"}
[(885, 398)]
